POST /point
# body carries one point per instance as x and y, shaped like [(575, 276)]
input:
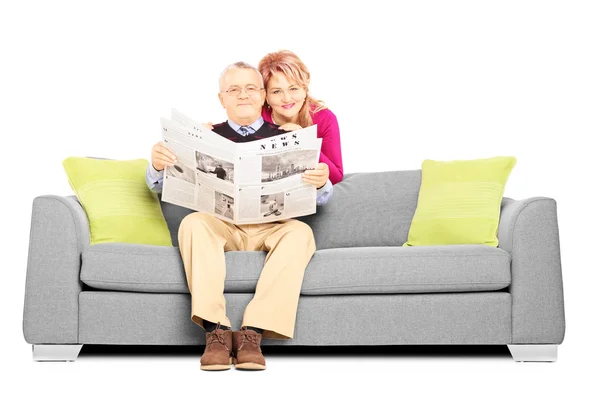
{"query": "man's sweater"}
[(265, 131)]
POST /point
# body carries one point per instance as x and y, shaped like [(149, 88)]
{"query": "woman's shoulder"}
[(323, 115)]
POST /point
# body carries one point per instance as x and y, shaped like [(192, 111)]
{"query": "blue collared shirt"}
[(154, 178), (253, 127)]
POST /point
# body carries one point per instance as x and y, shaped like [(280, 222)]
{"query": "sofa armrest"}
[(528, 230), (59, 233)]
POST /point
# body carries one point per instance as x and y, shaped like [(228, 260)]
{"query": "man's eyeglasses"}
[(236, 90)]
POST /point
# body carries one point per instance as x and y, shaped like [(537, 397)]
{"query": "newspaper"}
[(242, 183)]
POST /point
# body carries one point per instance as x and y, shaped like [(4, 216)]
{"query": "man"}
[(221, 173), (203, 239)]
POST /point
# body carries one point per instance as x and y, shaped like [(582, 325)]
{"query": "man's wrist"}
[(326, 186), (157, 170)]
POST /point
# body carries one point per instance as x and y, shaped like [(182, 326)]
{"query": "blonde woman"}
[(290, 105)]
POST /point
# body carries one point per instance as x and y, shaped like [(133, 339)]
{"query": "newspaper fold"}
[(242, 183)]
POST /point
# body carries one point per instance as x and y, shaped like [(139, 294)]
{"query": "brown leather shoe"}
[(218, 353), (247, 353)]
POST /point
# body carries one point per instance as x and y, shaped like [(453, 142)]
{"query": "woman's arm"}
[(331, 151)]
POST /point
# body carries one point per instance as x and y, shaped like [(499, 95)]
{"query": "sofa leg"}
[(56, 352), (533, 352)]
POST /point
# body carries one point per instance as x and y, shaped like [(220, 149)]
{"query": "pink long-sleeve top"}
[(329, 131)]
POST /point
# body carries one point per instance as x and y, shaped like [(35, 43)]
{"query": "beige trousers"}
[(203, 241)]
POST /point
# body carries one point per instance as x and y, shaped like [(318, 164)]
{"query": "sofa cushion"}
[(459, 268), (459, 202), (173, 214), (355, 215), (117, 202), (367, 209)]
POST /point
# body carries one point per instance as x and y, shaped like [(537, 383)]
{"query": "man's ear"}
[(221, 99)]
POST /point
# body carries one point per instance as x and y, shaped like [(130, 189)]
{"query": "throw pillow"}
[(459, 202), (119, 205)]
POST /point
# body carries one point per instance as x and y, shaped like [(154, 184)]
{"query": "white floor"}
[(478, 372)]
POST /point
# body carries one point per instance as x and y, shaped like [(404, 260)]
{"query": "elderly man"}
[(203, 239)]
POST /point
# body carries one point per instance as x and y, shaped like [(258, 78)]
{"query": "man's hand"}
[(162, 157), (208, 125), (290, 127), (317, 176)]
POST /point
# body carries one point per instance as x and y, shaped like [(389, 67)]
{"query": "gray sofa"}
[(126, 294)]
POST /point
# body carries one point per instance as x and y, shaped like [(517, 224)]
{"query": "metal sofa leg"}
[(534, 352), (56, 352)]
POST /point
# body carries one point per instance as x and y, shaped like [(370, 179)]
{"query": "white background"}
[(442, 80)]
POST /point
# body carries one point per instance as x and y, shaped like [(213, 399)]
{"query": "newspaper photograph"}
[(242, 183)]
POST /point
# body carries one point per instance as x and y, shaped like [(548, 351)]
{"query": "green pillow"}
[(119, 205), (459, 202)]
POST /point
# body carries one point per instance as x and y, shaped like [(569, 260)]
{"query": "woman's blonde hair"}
[(293, 68)]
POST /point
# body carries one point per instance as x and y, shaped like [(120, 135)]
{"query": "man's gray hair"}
[(239, 65)]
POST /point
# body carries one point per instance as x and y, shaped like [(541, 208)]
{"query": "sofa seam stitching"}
[(411, 284), (345, 258), (324, 287)]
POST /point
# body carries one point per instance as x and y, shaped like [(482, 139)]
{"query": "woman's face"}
[(285, 97)]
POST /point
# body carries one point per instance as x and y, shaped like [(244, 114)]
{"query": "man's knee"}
[(194, 221), (301, 230)]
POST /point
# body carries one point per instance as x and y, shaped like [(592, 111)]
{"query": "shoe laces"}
[(249, 336), (214, 337)]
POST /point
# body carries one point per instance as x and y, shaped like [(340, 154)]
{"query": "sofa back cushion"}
[(367, 209), (174, 214)]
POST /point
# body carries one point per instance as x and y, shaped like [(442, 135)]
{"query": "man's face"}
[(243, 107)]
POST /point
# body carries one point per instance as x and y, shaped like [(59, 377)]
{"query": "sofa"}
[(130, 294)]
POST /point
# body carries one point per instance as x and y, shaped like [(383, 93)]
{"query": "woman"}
[(290, 105)]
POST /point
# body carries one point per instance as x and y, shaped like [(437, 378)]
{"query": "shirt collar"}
[(255, 125)]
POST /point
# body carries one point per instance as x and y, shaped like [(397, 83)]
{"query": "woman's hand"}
[(162, 157), (290, 127), (317, 176)]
